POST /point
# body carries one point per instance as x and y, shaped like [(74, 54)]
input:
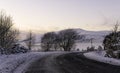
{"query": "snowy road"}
[(70, 63), (18, 63)]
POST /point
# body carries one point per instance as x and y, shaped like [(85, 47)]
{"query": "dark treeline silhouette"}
[(63, 40)]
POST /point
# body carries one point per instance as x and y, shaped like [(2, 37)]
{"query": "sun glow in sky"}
[(50, 15)]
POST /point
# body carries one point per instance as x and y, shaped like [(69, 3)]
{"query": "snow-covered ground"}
[(99, 56), (83, 46), (20, 62)]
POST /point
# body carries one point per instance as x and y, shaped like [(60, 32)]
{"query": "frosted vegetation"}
[(18, 63), (100, 56), (100, 45)]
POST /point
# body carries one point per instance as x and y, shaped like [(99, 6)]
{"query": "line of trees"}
[(63, 40)]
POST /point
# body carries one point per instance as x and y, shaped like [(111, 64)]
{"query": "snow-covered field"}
[(19, 63), (80, 46), (83, 46), (99, 56)]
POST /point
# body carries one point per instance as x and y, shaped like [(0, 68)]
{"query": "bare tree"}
[(8, 35), (30, 40), (67, 39), (48, 41), (116, 28)]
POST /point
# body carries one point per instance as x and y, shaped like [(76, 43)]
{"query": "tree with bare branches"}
[(48, 41), (30, 40), (8, 35), (67, 39)]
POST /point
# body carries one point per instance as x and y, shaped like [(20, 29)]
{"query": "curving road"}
[(70, 63)]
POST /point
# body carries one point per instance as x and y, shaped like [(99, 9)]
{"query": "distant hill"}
[(97, 36)]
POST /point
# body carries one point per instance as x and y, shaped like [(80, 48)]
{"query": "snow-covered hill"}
[(97, 36)]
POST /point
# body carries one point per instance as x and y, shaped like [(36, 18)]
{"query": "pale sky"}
[(50, 15)]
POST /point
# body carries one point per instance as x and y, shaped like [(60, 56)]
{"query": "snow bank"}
[(99, 56), (20, 62)]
